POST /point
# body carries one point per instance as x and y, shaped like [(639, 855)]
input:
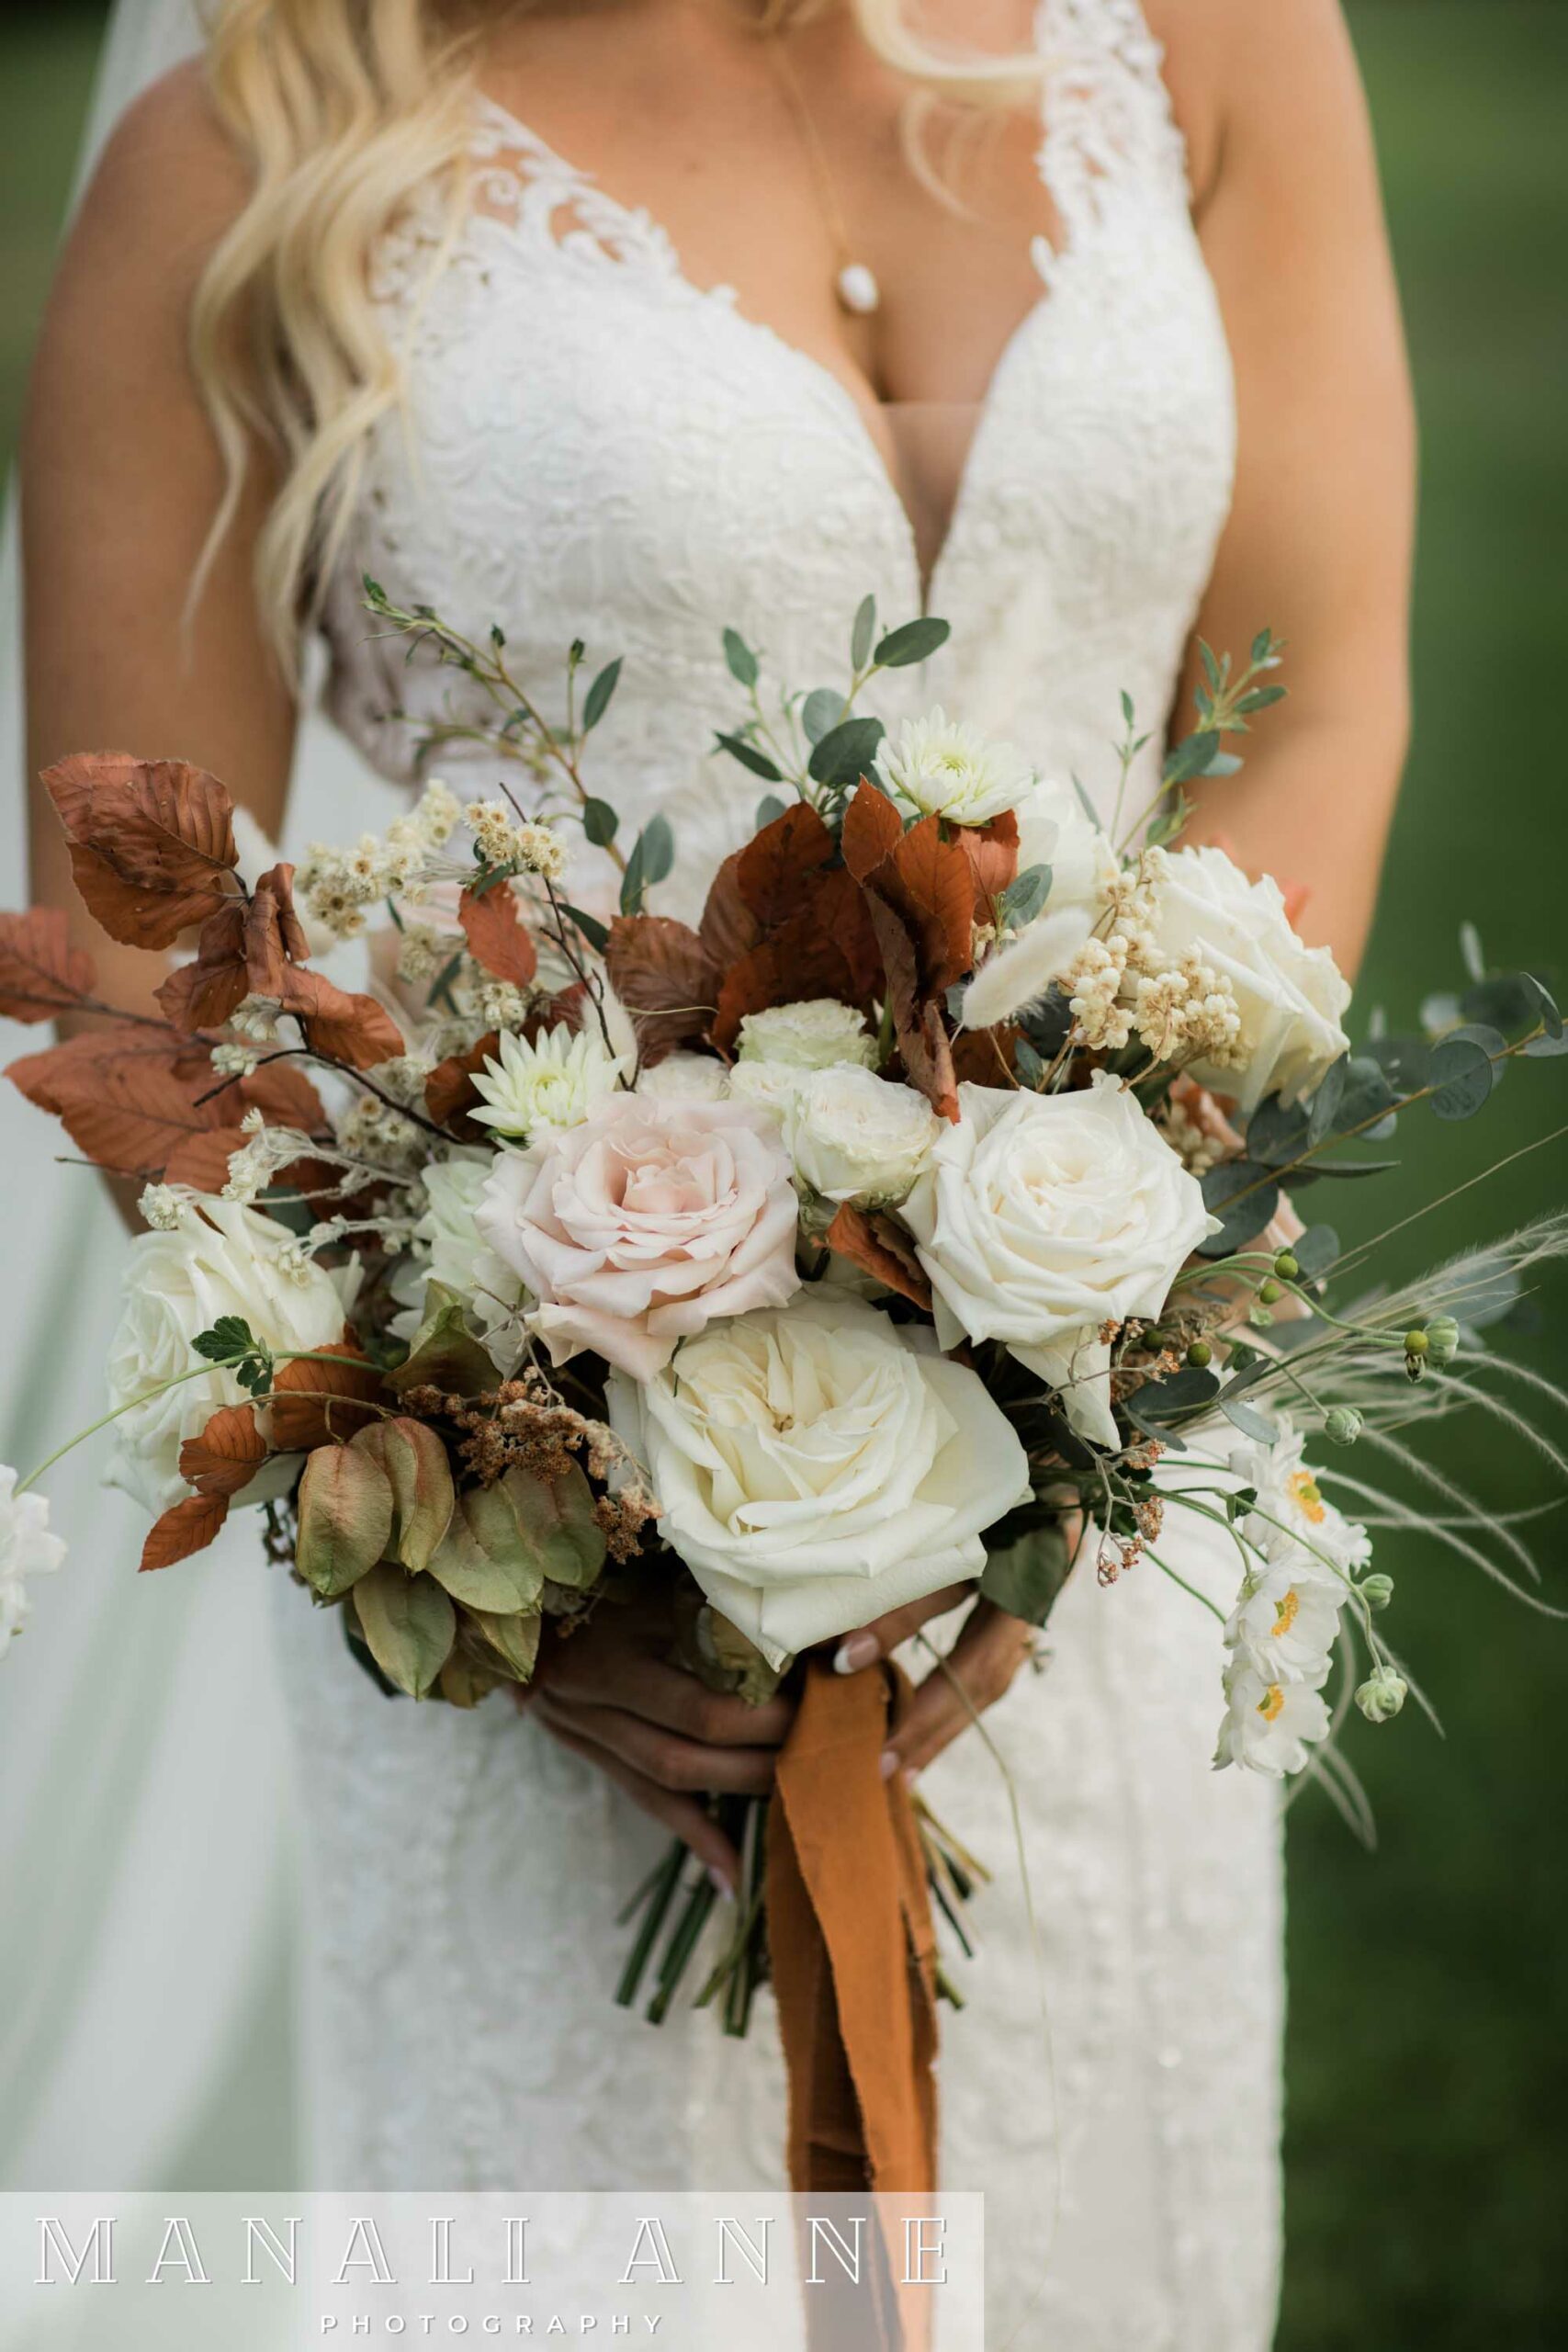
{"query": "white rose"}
[(1044, 1216), (855, 1136), (636, 1230), (948, 770), (768, 1086), (27, 1549), (685, 1078), (819, 1465), (1289, 997), (541, 1089), (222, 1259), (449, 1249), (1053, 830), (812, 1035)]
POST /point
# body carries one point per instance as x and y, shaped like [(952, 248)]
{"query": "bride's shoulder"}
[(167, 185), (1234, 70)]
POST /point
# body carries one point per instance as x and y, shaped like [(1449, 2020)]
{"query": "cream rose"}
[(685, 1078), (636, 1230), (1041, 1218), (855, 1136), (1291, 998), (448, 1249), (812, 1035), (220, 1259), (818, 1465)]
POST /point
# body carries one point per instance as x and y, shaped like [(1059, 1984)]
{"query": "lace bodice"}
[(596, 448)]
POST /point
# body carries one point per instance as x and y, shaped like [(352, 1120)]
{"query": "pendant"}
[(857, 289)]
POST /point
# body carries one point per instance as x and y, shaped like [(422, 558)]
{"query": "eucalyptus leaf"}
[(408, 1625), (915, 641), (1506, 1001), (599, 823), (1027, 1577), (770, 809), (595, 933), (597, 701), (1025, 896), (1275, 1133), (1322, 1118), (846, 752), (1463, 1077), (1248, 1420), (863, 631), (1295, 1179), (1316, 1251), (822, 709), (1241, 1218), (1405, 1061), (1190, 757), (1160, 1402), (749, 757), (1470, 947), (740, 660)]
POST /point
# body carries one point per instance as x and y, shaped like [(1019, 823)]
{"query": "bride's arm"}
[(120, 478), (1318, 545)]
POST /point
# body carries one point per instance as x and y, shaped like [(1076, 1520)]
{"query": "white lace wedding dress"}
[(599, 448)]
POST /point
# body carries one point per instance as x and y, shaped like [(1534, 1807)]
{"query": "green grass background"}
[(1429, 1982)]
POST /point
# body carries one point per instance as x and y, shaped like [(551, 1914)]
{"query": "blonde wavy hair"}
[(341, 110)]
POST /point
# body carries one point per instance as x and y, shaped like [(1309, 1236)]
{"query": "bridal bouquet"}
[(925, 1211)]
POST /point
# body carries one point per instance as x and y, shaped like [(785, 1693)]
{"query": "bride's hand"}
[(611, 1695), (979, 1669)]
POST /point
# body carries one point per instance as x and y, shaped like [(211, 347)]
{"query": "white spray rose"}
[(812, 1035), (542, 1088), (855, 1136), (946, 769), (685, 1078), (27, 1549), (1043, 1217), (819, 1465), (448, 1249), (222, 1259), (1291, 998)]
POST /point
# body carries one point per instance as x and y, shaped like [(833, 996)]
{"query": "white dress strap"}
[(1112, 139)]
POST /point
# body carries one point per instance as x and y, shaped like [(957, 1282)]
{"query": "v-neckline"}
[(641, 229)]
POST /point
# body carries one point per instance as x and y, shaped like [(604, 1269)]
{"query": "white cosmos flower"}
[(818, 1465), (686, 1078), (1041, 1218), (811, 1035), (855, 1136), (947, 769), (1286, 1620), (1292, 1513), (27, 1549), (1268, 1726), (546, 1087), (448, 1249)]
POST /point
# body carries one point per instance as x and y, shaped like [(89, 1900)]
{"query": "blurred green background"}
[(1429, 2083)]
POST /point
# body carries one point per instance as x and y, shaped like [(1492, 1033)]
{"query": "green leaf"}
[(1405, 1061), (769, 809), (598, 698), (1463, 1076), (1190, 759), (1025, 896), (1027, 1577), (863, 631), (1262, 647), (599, 823), (846, 752), (231, 1336), (1317, 1250), (1326, 1101), (1506, 1001), (595, 933), (1160, 1402), (821, 710), (657, 842), (445, 1354), (749, 757), (1260, 698), (408, 1626), (1299, 1176), (1248, 1420), (555, 1520), (1470, 947), (1275, 1135), (414, 1461), (514, 1638), (1545, 1008), (1027, 1063), (1241, 1221), (741, 661), (345, 1519), (1225, 764), (483, 1559), (916, 641)]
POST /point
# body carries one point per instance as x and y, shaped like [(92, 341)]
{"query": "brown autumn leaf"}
[(985, 1056), (450, 1092), (202, 1160), (665, 977), (187, 1527), (728, 928), (837, 905), (128, 1102), (345, 1028), (992, 852), (278, 884), (797, 960), (281, 1089), (928, 881), (497, 939), (881, 1249), (227, 1453), (204, 994), (41, 973), (151, 844), (871, 831), (917, 1018), (317, 1404), (772, 867)]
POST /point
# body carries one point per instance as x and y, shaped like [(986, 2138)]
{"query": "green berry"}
[(1269, 1291), (1200, 1355), (1416, 1343), (1286, 1266)]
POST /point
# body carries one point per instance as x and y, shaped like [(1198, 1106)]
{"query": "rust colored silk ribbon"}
[(853, 1948)]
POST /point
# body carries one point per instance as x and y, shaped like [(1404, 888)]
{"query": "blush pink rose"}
[(639, 1227)]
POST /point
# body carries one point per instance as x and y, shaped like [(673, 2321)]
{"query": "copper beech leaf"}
[(151, 843), (345, 1028), (483, 1560), (497, 940), (41, 973), (556, 1517), (227, 1453), (665, 977), (881, 1249), (316, 1404), (772, 869), (728, 928), (414, 1461), (347, 1511), (187, 1527), (450, 1092), (204, 993), (871, 831), (408, 1626)]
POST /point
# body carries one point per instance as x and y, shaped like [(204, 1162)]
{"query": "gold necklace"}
[(854, 282)]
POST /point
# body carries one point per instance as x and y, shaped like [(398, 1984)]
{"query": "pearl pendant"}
[(858, 289)]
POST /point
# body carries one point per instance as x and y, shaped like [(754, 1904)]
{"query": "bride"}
[(628, 320)]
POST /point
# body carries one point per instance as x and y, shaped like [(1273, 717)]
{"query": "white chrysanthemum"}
[(812, 1035), (27, 1549), (686, 1078), (449, 1249), (946, 769), (1292, 1512), (544, 1088), (855, 1136), (1269, 1727)]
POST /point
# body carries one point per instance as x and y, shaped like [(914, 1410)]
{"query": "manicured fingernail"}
[(721, 1885), (860, 1650), (889, 1762)]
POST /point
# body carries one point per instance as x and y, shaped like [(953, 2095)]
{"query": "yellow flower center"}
[(1286, 1612), (1304, 1494), (1272, 1700)]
